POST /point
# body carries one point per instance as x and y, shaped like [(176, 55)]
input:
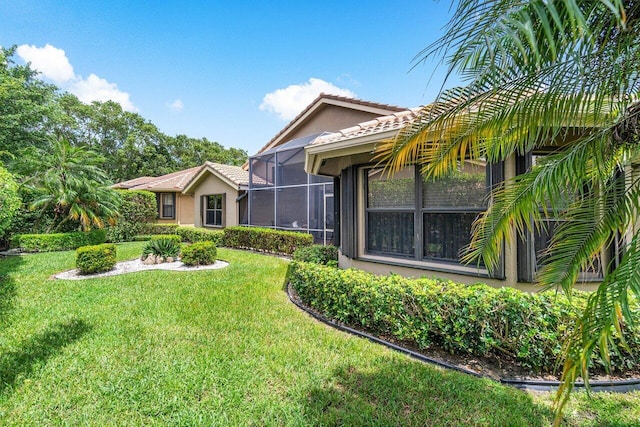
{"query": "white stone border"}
[(137, 265)]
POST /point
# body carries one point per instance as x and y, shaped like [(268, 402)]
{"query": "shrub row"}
[(193, 234), (199, 253), (318, 254), (265, 239), (504, 324), (159, 229), (57, 241), (96, 258)]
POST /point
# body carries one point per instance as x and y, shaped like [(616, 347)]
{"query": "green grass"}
[(224, 347)]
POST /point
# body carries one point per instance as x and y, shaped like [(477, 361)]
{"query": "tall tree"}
[(565, 72), (27, 105)]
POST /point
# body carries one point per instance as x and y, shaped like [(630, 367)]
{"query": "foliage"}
[(9, 200), (137, 208), (27, 106), (162, 246), (193, 234), (68, 182), (318, 254), (96, 259), (199, 253), (159, 229), (57, 241), (529, 330), (555, 74), (265, 239)]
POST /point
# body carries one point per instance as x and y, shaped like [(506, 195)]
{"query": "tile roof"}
[(392, 122), (133, 182), (171, 182), (234, 174), (326, 97)]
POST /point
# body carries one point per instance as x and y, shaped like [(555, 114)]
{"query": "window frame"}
[(206, 210), (493, 176), (161, 205)]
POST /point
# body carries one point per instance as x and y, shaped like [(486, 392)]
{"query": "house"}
[(219, 195), (281, 194), (405, 224), (173, 206)]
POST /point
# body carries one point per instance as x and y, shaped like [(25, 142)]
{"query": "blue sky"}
[(231, 71)]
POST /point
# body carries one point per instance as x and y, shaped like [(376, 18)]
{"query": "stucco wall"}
[(330, 119), (212, 185)]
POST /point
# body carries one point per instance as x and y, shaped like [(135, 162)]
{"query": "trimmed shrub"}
[(199, 253), (57, 241), (96, 258), (137, 209), (318, 254), (162, 246), (193, 234), (142, 238), (266, 239), (504, 324), (159, 229)]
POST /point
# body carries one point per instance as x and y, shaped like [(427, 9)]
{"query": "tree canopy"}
[(561, 77), (35, 113)]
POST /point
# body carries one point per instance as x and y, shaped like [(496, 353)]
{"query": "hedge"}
[(501, 324), (57, 241), (174, 237), (319, 254), (96, 259), (159, 229), (137, 209), (193, 234), (265, 239), (199, 253)]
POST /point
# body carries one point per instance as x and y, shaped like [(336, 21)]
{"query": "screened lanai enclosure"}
[(283, 196)]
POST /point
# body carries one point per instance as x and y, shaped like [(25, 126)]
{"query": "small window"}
[(213, 210), (167, 205)]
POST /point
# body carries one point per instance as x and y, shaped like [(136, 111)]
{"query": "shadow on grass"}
[(407, 393), (39, 348), (8, 286)]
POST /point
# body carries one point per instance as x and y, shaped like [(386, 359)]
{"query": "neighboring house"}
[(408, 225), (173, 206), (281, 194), (220, 195)]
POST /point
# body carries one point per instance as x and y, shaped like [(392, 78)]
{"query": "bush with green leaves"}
[(137, 209), (57, 241), (96, 258), (159, 229), (318, 254), (266, 239), (163, 247), (504, 324), (193, 234), (9, 200), (199, 253)]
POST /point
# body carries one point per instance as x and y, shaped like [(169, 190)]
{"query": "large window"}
[(390, 212), (167, 205), (412, 217), (213, 210)]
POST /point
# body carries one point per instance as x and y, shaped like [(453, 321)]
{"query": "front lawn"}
[(224, 347)]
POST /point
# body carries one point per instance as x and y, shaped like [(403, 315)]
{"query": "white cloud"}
[(94, 88), (176, 105), (49, 60), (288, 102), (55, 66)]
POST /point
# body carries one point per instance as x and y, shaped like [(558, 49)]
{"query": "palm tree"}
[(70, 183), (541, 73)]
